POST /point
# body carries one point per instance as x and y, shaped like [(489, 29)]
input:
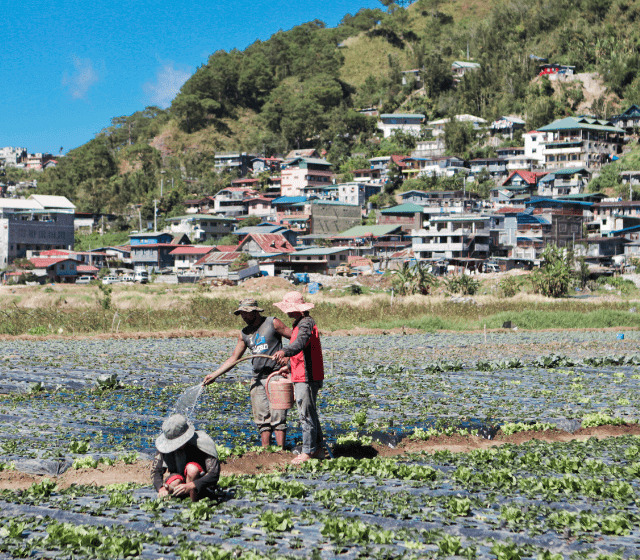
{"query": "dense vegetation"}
[(301, 88)]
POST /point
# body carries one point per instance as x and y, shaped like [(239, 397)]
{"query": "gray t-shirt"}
[(263, 340)]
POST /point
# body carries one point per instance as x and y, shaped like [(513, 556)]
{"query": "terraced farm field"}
[(62, 408)]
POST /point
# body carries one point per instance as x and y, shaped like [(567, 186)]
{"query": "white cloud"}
[(82, 78), (169, 80)]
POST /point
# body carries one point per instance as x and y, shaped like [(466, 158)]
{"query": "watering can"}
[(279, 392)]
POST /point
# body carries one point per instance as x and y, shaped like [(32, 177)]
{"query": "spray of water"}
[(187, 402)]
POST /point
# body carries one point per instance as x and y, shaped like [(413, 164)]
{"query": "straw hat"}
[(248, 305), (176, 431), (293, 301)]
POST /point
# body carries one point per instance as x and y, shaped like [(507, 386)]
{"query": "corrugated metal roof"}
[(569, 123), (320, 251), (369, 231), (406, 208)]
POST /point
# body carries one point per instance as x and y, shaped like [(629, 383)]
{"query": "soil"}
[(261, 463)]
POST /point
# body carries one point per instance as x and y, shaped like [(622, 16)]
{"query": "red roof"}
[(530, 177), (242, 181), (219, 258), (258, 199), (46, 262), (86, 268), (510, 210), (54, 253), (187, 250), (399, 160), (270, 242)]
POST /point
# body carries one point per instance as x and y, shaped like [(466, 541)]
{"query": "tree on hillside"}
[(459, 136)]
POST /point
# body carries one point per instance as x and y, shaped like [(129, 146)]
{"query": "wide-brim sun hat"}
[(248, 305), (293, 301), (176, 431)]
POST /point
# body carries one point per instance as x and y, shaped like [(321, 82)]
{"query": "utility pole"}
[(155, 216), (139, 220)]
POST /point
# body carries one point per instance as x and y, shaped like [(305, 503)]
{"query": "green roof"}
[(570, 123), (369, 231), (211, 217), (320, 251), (568, 171), (406, 208)]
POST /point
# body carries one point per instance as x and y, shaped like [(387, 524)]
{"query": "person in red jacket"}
[(307, 371)]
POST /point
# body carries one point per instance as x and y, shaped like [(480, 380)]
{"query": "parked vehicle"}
[(84, 279), (141, 276), (111, 280)]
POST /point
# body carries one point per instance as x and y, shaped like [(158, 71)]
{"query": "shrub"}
[(508, 286), (462, 284)]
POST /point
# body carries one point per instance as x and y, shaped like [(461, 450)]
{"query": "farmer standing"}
[(307, 371), (188, 457), (262, 335)]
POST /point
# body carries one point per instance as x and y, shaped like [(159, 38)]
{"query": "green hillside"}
[(302, 88)]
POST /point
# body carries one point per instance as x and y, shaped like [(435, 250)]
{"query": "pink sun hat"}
[(293, 301)]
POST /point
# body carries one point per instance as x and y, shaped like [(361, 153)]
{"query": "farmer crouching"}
[(189, 460)]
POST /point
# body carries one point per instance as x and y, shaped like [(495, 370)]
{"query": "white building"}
[(390, 123)]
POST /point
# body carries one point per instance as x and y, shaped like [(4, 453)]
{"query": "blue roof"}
[(290, 199), (626, 230), (557, 202), (526, 218)]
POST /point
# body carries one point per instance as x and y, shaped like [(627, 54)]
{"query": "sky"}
[(69, 67)]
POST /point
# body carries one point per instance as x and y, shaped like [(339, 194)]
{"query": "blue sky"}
[(69, 67)]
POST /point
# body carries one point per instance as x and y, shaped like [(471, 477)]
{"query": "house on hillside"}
[(377, 240), (408, 216), (201, 227), (460, 67), (629, 120), (56, 269), (322, 260), (238, 161), (580, 142), (564, 182), (185, 256), (152, 251), (357, 193), (517, 188), (262, 245), (454, 236), (301, 172), (217, 264), (409, 123), (231, 201)]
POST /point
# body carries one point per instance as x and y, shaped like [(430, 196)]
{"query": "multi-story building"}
[(38, 223), (580, 142), (453, 236), (240, 161), (533, 146), (357, 193), (201, 227), (302, 172), (232, 200), (11, 157)]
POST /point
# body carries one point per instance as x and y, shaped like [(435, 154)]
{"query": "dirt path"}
[(261, 463)]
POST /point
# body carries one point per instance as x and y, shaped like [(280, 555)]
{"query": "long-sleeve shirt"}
[(305, 330)]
